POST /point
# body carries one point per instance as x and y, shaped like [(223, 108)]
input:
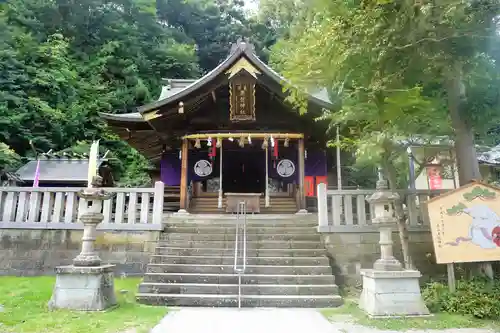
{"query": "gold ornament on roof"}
[(242, 64)]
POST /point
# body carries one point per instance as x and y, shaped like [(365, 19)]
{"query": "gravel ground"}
[(219, 320)]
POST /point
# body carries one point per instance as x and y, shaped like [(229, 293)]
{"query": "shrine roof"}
[(181, 88), (171, 87), (128, 117), (174, 90), (485, 154), (491, 156), (61, 170)]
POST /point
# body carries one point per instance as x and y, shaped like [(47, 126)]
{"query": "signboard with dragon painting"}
[(465, 224)]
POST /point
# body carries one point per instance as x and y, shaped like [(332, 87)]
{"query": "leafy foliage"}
[(477, 297), (62, 62), (8, 158), (399, 68), (213, 26)]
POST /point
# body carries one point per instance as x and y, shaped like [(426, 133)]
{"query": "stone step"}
[(231, 278), (250, 269), (173, 250), (261, 244), (274, 211), (276, 207), (232, 289), (222, 300), (204, 229), (166, 237), (214, 203), (218, 260), (251, 222), (272, 201)]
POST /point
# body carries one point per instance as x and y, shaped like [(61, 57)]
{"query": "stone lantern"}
[(385, 219), (87, 284), (388, 289)]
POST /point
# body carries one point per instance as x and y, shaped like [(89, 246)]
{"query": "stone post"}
[(322, 208), (388, 289), (87, 284), (90, 219)]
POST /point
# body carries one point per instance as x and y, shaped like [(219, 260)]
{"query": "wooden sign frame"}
[(242, 98)]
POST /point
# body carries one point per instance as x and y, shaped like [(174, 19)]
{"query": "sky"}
[(251, 5)]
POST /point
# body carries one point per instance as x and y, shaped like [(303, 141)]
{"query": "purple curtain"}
[(170, 169), (315, 165)]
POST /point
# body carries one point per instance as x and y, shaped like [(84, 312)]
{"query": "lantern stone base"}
[(392, 294), (83, 288), (390, 264)]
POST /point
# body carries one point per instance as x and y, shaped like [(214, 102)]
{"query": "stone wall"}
[(352, 251), (38, 252)]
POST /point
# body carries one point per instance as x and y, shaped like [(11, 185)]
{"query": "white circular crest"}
[(285, 168), (202, 168)]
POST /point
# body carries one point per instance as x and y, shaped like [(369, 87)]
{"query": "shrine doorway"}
[(244, 171)]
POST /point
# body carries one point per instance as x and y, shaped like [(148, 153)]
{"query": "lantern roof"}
[(383, 194)]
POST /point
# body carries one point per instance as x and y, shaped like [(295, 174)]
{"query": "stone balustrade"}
[(348, 211), (59, 208)]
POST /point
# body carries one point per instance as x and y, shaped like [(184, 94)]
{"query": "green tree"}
[(61, 62), (213, 26), (446, 49), (399, 68)]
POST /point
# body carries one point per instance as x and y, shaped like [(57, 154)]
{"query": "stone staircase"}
[(286, 265), (207, 204)]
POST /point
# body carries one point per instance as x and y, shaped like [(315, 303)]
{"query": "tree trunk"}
[(391, 174), (465, 149)]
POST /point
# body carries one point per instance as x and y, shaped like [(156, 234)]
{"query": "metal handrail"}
[(241, 222)]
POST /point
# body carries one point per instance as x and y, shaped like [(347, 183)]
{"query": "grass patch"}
[(25, 299), (438, 321)]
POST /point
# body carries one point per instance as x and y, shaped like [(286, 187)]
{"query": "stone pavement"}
[(259, 320), (220, 320)]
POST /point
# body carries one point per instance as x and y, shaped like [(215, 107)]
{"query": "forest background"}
[(63, 61)]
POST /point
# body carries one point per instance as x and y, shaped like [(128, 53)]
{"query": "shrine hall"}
[(231, 134)]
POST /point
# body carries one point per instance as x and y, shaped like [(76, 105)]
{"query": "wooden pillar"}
[(302, 194), (267, 178), (219, 200), (184, 174)]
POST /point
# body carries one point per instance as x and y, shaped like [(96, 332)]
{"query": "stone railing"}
[(60, 207), (348, 211)]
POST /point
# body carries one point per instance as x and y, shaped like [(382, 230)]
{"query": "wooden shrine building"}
[(230, 134)]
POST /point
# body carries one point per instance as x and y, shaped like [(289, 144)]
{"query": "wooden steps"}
[(208, 205), (171, 198)]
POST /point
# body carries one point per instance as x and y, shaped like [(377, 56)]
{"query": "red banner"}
[(435, 180)]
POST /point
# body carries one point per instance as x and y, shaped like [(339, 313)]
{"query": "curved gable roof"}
[(242, 49)]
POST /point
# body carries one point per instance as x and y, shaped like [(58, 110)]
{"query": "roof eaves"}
[(320, 97), (133, 117), (313, 97), (195, 85)]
